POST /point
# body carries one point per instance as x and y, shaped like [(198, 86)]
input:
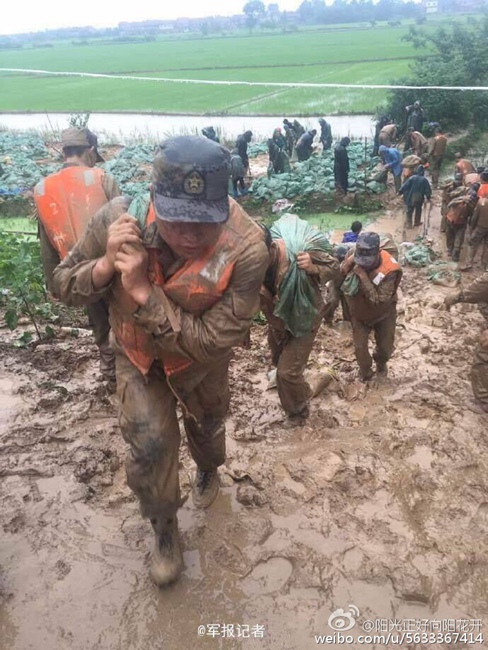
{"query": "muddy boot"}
[(297, 419), (381, 369), (167, 559), (455, 256), (205, 488), (366, 375)]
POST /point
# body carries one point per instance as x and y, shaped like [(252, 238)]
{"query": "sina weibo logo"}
[(342, 621)]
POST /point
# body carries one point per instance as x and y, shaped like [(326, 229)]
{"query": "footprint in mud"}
[(268, 576)]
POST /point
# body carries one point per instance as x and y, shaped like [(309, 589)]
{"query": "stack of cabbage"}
[(316, 175)]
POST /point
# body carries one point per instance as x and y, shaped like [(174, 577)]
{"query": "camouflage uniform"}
[(147, 414), (290, 353), (477, 293)]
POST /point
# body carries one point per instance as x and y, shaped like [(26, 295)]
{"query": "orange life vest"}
[(66, 202), (196, 287), (360, 307), (483, 191)]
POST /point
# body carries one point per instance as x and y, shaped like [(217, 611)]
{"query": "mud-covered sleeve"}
[(223, 326), (326, 266), (382, 293), (49, 257), (110, 187), (477, 291), (72, 279)]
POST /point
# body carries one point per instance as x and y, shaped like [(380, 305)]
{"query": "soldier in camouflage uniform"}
[(183, 286)]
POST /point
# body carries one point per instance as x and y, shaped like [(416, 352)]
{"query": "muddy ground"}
[(379, 501)]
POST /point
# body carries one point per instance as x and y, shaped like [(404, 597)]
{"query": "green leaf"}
[(11, 318), (49, 332), (23, 340)]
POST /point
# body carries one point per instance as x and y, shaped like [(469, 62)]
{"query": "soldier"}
[(372, 278), (415, 116), (241, 145), (450, 190), (437, 153), (418, 142), (479, 235), (463, 166), (387, 135), (66, 201), (183, 288), (325, 134), (476, 293), (304, 146), (483, 189), (290, 353), (415, 191), (458, 214)]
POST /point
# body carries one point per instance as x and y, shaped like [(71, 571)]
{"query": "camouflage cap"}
[(367, 249), (75, 137), (191, 180)]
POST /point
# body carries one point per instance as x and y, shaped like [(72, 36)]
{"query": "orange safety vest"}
[(360, 307), (483, 191), (196, 287), (66, 202)]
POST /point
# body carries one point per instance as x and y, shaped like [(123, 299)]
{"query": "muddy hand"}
[(123, 231), (304, 262), (131, 263)]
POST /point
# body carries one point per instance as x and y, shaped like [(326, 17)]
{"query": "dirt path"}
[(380, 501)]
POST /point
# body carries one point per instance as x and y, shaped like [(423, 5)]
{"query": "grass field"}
[(368, 55)]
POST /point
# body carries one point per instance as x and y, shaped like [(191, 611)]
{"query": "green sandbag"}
[(350, 286), (139, 208), (296, 302), (419, 255)]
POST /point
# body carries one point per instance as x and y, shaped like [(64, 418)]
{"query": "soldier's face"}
[(189, 240)]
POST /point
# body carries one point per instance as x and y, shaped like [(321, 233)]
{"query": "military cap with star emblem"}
[(191, 180)]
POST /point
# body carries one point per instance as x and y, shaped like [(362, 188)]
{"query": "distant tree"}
[(273, 10), (457, 57), (254, 9)]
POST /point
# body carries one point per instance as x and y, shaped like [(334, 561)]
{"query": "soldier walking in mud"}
[(290, 353), (476, 293), (66, 201), (182, 282), (372, 278)]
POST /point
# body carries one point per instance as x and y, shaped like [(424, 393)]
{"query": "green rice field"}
[(354, 55)]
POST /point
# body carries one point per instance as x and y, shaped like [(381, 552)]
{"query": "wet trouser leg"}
[(98, 317), (410, 209), (384, 333), (206, 396), (148, 421), (418, 213), (450, 237), (360, 335), (398, 181), (290, 356), (436, 168), (478, 238), (479, 371), (459, 232)]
